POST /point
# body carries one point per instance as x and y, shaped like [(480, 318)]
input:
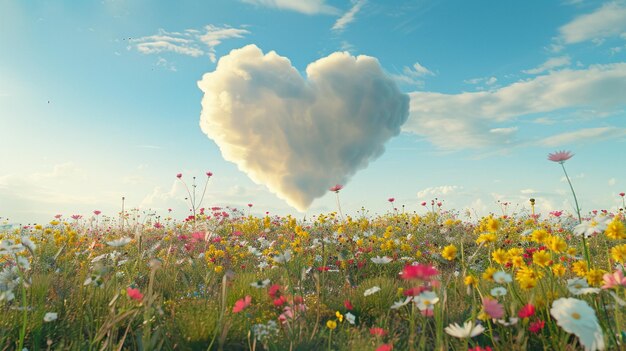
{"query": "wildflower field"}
[(222, 279)]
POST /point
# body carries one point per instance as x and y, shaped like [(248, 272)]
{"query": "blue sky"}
[(100, 100)]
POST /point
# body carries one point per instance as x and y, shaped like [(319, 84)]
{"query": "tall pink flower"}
[(336, 188), (209, 174), (493, 308), (612, 280), (241, 304), (560, 156)]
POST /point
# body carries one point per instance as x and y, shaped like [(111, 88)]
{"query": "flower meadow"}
[(222, 279)]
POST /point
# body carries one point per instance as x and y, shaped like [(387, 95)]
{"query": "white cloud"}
[(438, 190), (213, 36), (190, 42), (584, 135), (349, 16), (612, 181), (577, 176), (308, 7), (550, 64), (527, 191), (300, 136), (607, 21), (460, 121), (413, 75)]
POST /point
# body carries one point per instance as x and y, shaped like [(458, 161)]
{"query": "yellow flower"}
[(331, 324), (527, 277), (542, 258), (615, 230), (556, 244), (594, 277), (539, 235), (471, 280), (486, 238), (493, 225), (517, 261), (618, 253), (449, 252), (580, 268), (339, 316), (488, 273), (558, 270), (218, 269), (500, 256)]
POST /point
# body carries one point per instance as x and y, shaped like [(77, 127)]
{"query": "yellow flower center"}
[(576, 316)]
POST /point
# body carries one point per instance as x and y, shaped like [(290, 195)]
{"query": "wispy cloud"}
[(191, 42), (349, 16), (413, 75), (550, 64), (584, 135), (466, 120), (308, 7), (607, 21)]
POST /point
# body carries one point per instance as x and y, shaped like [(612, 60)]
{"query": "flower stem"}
[(580, 220)]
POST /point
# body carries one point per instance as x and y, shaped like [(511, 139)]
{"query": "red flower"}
[(526, 311), (280, 301), (622, 194), (376, 331), (209, 174), (96, 212), (385, 347), (391, 199), (348, 305), (420, 271), (423, 203), (241, 305), (179, 175), (535, 327), (274, 290), (134, 294)]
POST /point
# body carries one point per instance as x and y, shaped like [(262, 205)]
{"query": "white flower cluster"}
[(263, 331)]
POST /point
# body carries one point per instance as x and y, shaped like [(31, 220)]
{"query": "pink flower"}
[(427, 312), (158, 225), (391, 199), (478, 348), (241, 304), (249, 205), (77, 217), (526, 311), (376, 331), (336, 188), (420, 271), (274, 290), (134, 294), (613, 280), (560, 156), (556, 213), (385, 347), (622, 194), (58, 216), (535, 327), (209, 174), (179, 175), (96, 212), (493, 308), (423, 203)]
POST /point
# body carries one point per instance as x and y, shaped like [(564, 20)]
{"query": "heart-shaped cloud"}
[(299, 137)]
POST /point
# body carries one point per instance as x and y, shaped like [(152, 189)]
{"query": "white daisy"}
[(350, 317), (578, 318), (50, 317), (260, 284), (381, 260), (498, 291), (284, 257), (579, 286), (594, 226), (119, 242), (469, 330), (372, 290), (502, 277), (426, 300), (401, 303), (510, 322)]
